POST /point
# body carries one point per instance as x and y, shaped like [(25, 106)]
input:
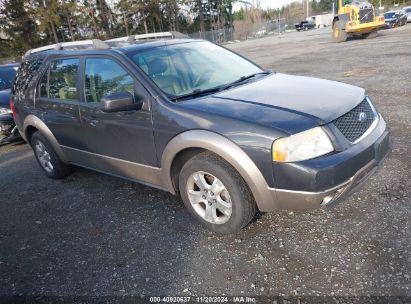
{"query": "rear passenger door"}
[(58, 99), (122, 135)]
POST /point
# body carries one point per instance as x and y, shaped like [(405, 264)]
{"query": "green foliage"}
[(322, 5), (18, 28), (25, 24)]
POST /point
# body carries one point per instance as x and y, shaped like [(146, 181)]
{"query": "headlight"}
[(5, 111), (302, 146)]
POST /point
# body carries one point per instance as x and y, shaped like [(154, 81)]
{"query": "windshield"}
[(389, 15), (186, 68), (7, 75)]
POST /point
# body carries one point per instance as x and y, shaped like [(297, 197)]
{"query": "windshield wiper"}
[(244, 78), (199, 92)]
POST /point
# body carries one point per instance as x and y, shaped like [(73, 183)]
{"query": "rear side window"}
[(60, 80), (103, 77)]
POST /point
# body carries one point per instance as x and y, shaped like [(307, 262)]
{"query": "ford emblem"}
[(362, 117)]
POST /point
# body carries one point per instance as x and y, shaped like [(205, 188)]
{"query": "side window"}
[(103, 77), (60, 80)]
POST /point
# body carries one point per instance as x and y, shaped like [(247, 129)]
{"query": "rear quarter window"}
[(25, 75)]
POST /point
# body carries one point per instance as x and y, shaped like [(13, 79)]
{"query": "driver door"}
[(114, 141)]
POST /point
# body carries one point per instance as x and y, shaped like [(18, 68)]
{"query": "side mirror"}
[(117, 102)]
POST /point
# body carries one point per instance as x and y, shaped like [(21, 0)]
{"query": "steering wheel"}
[(203, 77)]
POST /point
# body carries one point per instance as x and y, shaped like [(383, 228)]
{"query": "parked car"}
[(195, 119), (407, 11), (304, 25), (395, 18), (8, 130), (261, 33)]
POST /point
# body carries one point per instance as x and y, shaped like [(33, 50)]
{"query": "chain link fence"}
[(243, 30)]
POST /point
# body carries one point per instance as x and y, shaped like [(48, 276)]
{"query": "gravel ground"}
[(92, 234)]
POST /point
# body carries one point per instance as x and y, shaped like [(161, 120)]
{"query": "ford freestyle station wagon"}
[(198, 120)]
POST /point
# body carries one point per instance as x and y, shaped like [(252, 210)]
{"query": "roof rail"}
[(149, 36), (73, 45)]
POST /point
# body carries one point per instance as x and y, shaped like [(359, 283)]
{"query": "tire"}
[(47, 158), (238, 204), (339, 34)]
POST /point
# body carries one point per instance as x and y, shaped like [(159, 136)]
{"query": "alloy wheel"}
[(44, 157), (209, 197)]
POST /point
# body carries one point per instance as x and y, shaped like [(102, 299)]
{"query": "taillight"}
[(13, 110)]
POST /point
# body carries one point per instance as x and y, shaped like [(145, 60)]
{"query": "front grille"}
[(356, 122), (366, 15)]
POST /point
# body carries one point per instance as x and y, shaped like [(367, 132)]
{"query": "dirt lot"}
[(97, 235)]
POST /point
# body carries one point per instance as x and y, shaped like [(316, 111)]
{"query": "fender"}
[(226, 149), (37, 123)]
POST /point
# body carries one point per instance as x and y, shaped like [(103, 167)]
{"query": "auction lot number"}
[(188, 299)]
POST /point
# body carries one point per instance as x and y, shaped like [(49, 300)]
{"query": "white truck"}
[(323, 20)]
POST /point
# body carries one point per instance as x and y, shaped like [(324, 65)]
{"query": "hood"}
[(5, 98), (324, 100), (289, 103)]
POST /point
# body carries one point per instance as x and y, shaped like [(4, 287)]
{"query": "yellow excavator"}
[(355, 18)]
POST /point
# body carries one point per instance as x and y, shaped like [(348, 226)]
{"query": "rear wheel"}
[(47, 158), (215, 194), (339, 34)]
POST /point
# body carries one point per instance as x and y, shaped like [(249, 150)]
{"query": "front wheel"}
[(339, 34), (47, 158), (215, 194)]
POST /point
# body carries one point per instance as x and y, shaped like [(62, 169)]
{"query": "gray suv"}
[(196, 119)]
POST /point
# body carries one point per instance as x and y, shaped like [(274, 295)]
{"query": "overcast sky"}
[(266, 3)]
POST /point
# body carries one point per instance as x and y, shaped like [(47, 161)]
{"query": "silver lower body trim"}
[(151, 176)]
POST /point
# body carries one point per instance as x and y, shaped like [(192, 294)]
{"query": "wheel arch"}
[(179, 160), (32, 124), (187, 144), (28, 133), (335, 19)]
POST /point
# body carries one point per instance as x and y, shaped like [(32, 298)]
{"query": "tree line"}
[(25, 24)]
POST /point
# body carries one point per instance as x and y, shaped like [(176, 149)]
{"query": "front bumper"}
[(363, 28), (390, 24), (327, 180)]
